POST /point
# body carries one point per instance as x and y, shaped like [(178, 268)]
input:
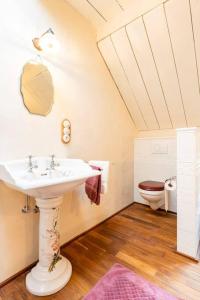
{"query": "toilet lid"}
[(151, 185)]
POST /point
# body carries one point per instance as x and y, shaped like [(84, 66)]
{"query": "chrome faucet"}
[(31, 165), (53, 164)]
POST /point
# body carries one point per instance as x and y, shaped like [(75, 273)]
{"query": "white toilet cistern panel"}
[(154, 160)]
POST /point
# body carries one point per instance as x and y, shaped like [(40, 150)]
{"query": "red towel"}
[(93, 187)]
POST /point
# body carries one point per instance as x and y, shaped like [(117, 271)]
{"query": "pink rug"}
[(122, 284)]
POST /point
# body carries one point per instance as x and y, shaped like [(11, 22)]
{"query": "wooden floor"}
[(142, 240)]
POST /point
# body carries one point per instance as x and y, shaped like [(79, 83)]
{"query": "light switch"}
[(66, 131)]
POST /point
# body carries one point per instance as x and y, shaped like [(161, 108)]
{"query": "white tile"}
[(159, 167), (186, 196), (187, 243), (186, 217), (186, 168), (186, 146), (186, 183)]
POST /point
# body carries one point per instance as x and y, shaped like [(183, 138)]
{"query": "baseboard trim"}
[(5, 282), (188, 256), (26, 269)]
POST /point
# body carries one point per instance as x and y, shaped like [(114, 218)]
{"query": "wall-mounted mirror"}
[(37, 88)]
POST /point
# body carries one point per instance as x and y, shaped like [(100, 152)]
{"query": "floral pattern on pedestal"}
[(53, 271), (53, 236)]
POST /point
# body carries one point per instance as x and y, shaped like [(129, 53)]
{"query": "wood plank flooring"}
[(142, 240)]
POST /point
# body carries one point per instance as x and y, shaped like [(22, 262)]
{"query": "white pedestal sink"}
[(53, 271)]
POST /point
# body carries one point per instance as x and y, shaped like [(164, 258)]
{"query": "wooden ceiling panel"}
[(141, 47), (114, 65), (125, 3), (195, 15), (181, 32), (160, 43), (128, 61), (88, 11), (106, 8), (154, 58)]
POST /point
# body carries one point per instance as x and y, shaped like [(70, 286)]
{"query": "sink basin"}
[(43, 182), (47, 185)]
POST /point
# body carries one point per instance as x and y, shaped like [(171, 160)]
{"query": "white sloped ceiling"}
[(100, 11), (154, 61)]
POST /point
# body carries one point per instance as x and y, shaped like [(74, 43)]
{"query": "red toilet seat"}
[(152, 185)]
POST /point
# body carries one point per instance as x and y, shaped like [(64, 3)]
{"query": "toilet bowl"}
[(152, 192)]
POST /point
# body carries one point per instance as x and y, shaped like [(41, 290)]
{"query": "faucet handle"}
[(53, 164), (30, 163)]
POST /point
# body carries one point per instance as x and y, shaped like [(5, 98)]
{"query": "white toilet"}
[(153, 192)]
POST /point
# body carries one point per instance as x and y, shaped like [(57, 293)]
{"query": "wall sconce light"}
[(47, 41)]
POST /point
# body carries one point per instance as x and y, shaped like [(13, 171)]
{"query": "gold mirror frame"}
[(37, 88)]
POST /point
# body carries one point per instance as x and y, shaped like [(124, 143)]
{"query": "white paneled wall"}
[(142, 50), (100, 11), (181, 32), (89, 12), (195, 10), (124, 3), (128, 60), (154, 57), (154, 159), (188, 185), (160, 55), (157, 30), (111, 59), (105, 9)]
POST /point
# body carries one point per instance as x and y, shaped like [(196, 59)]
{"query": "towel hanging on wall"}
[(93, 187), (105, 167)]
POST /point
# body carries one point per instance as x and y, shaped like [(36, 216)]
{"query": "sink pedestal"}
[(53, 271)]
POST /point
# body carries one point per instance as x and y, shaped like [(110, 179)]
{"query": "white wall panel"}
[(88, 11), (136, 9), (107, 8), (179, 21), (195, 10), (157, 30), (149, 165), (188, 191), (142, 50), (113, 63), (125, 3), (157, 66), (126, 56)]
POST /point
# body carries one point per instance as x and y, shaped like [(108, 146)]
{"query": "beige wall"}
[(84, 93)]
